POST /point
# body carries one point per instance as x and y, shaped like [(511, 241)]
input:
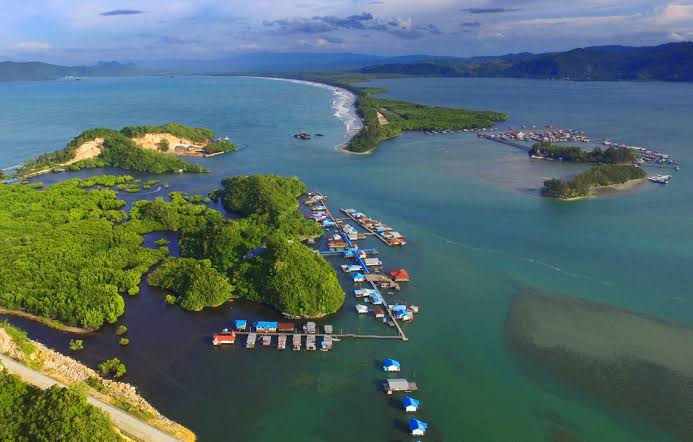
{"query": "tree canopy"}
[(598, 176), (57, 414), (65, 255), (195, 281), (404, 116), (611, 155)]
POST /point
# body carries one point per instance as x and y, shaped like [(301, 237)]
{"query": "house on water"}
[(410, 404), (417, 427), (265, 326), (391, 365), (359, 277), (241, 324), (224, 338), (395, 385), (400, 275)]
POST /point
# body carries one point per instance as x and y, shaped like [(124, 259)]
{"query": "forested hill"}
[(667, 62), (32, 71)]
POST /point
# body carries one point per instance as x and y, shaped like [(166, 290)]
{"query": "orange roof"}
[(400, 275)]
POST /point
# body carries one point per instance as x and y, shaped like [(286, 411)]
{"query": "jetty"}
[(374, 227), (250, 341), (364, 267)]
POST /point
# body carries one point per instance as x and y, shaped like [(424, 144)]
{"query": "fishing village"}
[(515, 138), (365, 272), (370, 287)]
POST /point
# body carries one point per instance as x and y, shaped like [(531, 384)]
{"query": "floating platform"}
[(250, 342), (296, 342), (281, 343)]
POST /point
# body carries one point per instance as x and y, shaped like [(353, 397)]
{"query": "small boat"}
[(302, 136), (319, 135), (361, 309), (660, 179)]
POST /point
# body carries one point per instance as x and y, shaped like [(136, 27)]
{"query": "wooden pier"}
[(296, 338), (368, 229), (401, 336)]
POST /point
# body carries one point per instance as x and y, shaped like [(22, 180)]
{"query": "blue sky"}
[(68, 31)]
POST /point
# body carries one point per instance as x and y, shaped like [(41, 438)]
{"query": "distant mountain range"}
[(13, 71), (667, 62)]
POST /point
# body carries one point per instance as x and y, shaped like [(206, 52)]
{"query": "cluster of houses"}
[(265, 330), (541, 136), (383, 231), (409, 404)]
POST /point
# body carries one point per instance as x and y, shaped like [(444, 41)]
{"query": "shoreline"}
[(352, 116), (52, 323), (69, 371)]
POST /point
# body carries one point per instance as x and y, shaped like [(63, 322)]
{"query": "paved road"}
[(128, 423)]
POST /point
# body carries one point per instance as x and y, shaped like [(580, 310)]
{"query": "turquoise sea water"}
[(478, 233)]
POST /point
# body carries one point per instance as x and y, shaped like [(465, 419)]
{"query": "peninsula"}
[(152, 149), (384, 119)]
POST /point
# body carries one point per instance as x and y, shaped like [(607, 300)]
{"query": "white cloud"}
[(32, 46)]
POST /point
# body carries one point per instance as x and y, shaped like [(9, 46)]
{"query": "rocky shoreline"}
[(69, 371)]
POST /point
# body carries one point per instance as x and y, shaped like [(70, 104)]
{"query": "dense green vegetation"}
[(195, 281), (112, 367), (69, 252), (76, 344), (196, 134), (581, 184), (402, 115), (220, 146), (65, 254), (119, 150), (668, 62), (19, 337), (611, 155), (29, 414), (288, 276)]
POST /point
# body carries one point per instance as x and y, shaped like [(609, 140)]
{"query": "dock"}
[(281, 342), (310, 342), (366, 272), (399, 241), (250, 342), (296, 342)]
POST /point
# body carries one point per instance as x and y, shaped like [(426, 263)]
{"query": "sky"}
[(69, 31)]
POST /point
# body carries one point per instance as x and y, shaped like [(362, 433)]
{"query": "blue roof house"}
[(391, 365), (417, 427), (410, 404), (241, 324), (359, 277)]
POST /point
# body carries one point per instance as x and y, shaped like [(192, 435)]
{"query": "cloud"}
[(32, 46), (489, 10), (470, 24), (121, 12), (400, 27)]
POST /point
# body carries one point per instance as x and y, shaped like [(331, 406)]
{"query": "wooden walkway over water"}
[(368, 229), (394, 321), (321, 335)]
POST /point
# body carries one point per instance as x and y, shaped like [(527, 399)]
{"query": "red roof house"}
[(400, 275)]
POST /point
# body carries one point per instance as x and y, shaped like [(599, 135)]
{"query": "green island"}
[(582, 184), (138, 148), (610, 155), (28, 413), (70, 251), (259, 257)]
